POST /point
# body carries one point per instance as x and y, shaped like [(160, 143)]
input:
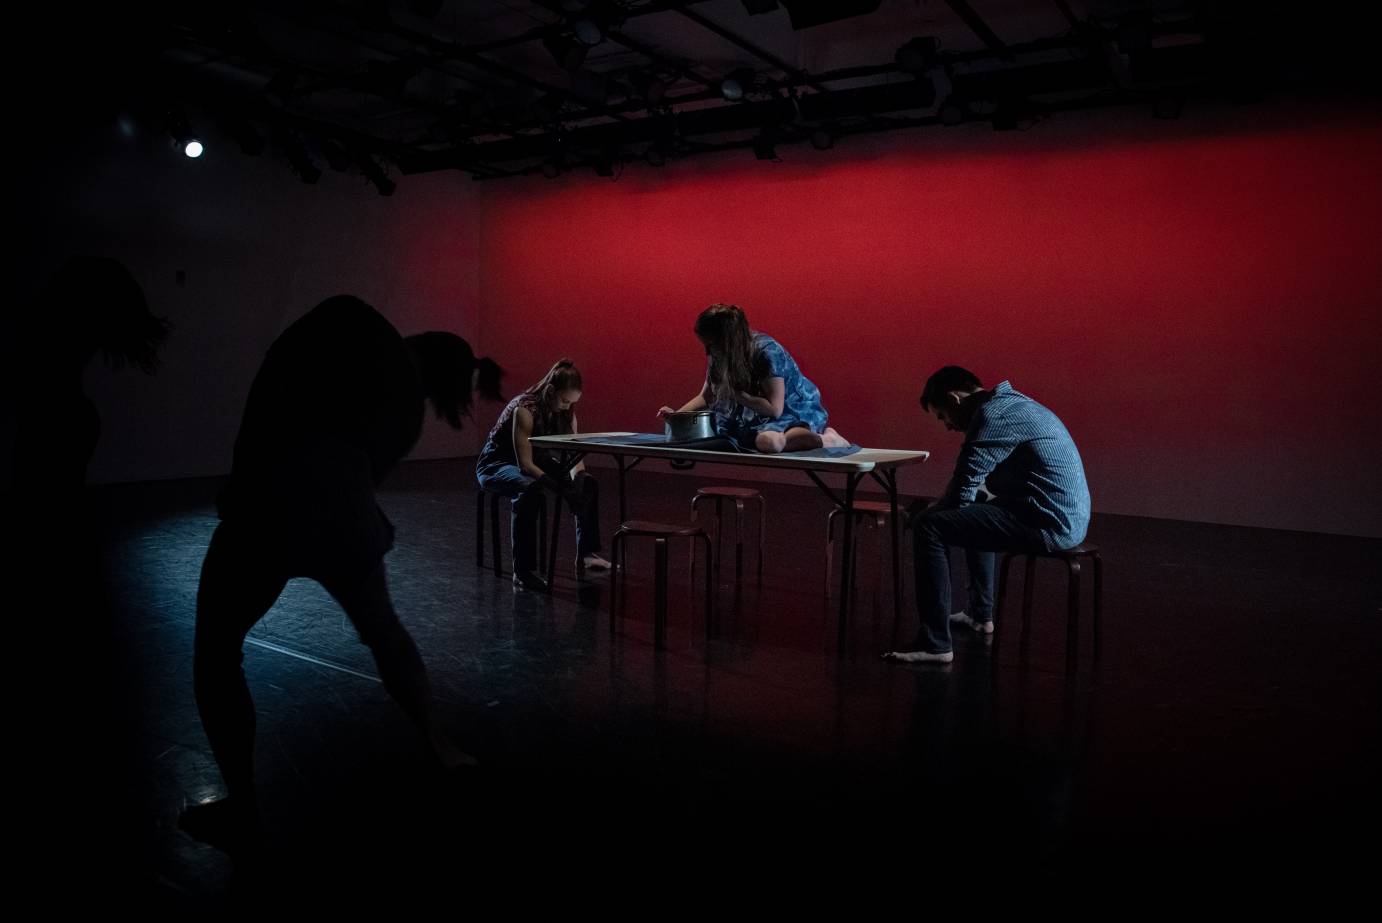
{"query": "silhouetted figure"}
[(337, 403), (81, 769), (90, 305)]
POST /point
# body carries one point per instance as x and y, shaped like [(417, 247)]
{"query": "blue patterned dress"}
[(801, 404)]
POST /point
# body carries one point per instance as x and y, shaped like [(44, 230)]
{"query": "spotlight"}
[(737, 84), (184, 139), (588, 32)]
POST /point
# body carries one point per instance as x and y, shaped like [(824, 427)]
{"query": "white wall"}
[(257, 248)]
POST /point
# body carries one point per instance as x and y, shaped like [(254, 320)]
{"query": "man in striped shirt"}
[(1019, 452)]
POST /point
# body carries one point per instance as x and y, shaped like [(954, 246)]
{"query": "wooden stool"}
[(660, 533), (1071, 557), (738, 495), (864, 511), (495, 540)]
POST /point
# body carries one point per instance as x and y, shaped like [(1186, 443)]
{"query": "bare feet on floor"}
[(984, 627), (448, 752)]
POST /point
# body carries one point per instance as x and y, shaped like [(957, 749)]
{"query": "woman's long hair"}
[(724, 330), (562, 376), (94, 303), (447, 365)]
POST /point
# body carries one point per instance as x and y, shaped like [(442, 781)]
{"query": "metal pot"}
[(683, 427)]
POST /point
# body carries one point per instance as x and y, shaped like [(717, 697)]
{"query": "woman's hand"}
[(770, 403), (696, 403), (759, 405)]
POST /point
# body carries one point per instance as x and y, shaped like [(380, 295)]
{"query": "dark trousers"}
[(583, 493), (981, 529)]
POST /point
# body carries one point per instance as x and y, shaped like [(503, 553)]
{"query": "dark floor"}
[(1234, 712)]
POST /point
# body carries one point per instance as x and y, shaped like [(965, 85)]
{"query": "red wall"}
[(1198, 300)]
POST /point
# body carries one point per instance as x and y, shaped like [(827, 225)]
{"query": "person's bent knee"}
[(771, 442), (215, 663), (927, 528)]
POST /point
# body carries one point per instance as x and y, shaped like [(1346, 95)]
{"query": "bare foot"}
[(527, 580), (963, 618), (448, 752), (226, 824), (833, 440)]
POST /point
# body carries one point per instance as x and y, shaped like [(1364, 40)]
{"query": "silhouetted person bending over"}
[(91, 305), (63, 637), (337, 403)]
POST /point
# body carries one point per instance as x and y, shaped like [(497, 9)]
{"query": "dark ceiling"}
[(500, 88)]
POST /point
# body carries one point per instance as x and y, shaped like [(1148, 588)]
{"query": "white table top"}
[(861, 461)]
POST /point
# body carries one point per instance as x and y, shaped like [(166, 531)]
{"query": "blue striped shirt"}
[(1024, 456)]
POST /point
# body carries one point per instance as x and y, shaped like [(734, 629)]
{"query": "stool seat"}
[(645, 527), (878, 511), (874, 506), (1071, 558), (740, 492), (1081, 550)]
